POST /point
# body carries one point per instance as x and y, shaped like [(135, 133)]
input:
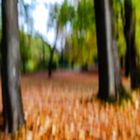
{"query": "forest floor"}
[(66, 108)]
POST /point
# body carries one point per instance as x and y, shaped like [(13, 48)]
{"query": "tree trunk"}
[(50, 63), (11, 93), (117, 72), (105, 55), (52, 53), (122, 63), (129, 33), (134, 74), (24, 64)]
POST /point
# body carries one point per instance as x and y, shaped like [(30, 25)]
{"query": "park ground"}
[(66, 108)]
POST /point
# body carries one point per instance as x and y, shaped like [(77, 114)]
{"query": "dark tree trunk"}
[(122, 62), (61, 61), (24, 64), (12, 103), (134, 72), (127, 63), (50, 62), (129, 32), (52, 54), (105, 55), (72, 64)]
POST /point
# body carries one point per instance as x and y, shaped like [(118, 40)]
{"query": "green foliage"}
[(121, 40), (24, 50), (67, 13), (80, 42), (80, 47), (81, 51), (137, 7), (30, 66), (31, 53), (119, 29), (84, 18)]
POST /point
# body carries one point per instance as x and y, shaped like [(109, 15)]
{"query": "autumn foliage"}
[(66, 108)]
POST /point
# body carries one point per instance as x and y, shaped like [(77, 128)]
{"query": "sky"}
[(40, 16)]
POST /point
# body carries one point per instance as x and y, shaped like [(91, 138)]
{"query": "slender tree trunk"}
[(129, 33), (72, 64), (134, 74), (127, 29), (24, 64), (12, 103), (104, 43), (52, 54), (127, 63), (50, 62), (122, 62)]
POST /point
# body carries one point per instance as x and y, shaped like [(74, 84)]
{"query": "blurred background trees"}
[(74, 25), (75, 45)]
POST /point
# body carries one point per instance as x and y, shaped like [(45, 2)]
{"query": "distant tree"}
[(53, 22), (109, 73), (11, 93), (59, 16), (52, 50)]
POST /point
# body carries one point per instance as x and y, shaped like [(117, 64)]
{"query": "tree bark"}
[(11, 93), (117, 71), (104, 44), (129, 33)]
